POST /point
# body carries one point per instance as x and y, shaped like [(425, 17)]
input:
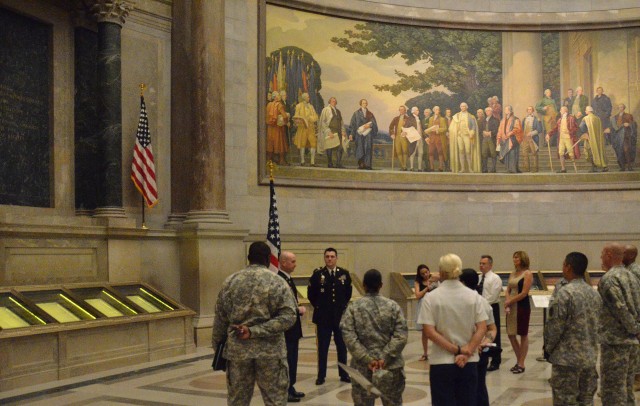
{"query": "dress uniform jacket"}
[(329, 295), (295, 332)]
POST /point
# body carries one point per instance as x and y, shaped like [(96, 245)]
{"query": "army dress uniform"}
[(619, 328), (373, 327), (329, 293), (292, 336), (261, 300), (571, 339)]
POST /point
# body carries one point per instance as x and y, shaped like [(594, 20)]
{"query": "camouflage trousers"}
[(271, 375), (618, 369), (573, 386), (392, 387)]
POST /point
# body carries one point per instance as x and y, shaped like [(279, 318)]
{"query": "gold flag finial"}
[(142, 88), (271, 167)]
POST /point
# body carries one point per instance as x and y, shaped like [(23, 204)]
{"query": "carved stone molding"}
[(112, 11)]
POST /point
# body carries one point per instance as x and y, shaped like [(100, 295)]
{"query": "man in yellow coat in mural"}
[(591, 129), (306, 119), (465, 148)]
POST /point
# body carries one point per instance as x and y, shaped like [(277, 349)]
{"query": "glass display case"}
[(60, 331), (106, 301), (145, 298), (15, 313), (60, 305)]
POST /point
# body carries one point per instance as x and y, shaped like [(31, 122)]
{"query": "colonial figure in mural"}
[(416, 148), (330, 133), (579, 105), (488, 130), (398, 132), (362, 129), (547, 110), (592, 132), (566, 128), (602, 108), (465, 148), (305, 119), (277, 122), (436, 133), (624, 138), (531, 130), (509, 138)]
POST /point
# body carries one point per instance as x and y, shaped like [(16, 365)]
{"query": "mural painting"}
[(350, 95)]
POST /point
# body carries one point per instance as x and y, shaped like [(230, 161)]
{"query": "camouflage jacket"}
[(620, 293), (635, 270), (373, 327), (261, 300), (571, 331)]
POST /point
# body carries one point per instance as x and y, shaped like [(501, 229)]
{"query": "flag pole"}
[(144, 226), (271, 166)]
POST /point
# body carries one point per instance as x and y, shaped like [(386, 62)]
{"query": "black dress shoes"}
[(297, 394), (346, 379), (493, 367), (292, 398), (319, 381)]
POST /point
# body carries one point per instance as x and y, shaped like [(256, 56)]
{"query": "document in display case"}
[(145, 298), (105, 300), (60, 305)]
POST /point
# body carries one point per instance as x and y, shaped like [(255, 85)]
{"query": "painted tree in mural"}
[(551, 64), (467, 63), (296, 71)]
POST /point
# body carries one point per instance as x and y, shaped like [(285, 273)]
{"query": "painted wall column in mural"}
[(207, 193), (111, 16), (522, 70)]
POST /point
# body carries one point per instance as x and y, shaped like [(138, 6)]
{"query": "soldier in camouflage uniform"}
[(254, 308), (629, 260), (571, 335), (619, 328), (375, 332)]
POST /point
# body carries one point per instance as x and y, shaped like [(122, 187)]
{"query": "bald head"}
[(612, 255), (287, 261), (630, 254)]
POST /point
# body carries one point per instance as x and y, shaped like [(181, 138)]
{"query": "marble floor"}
[(190, 381)]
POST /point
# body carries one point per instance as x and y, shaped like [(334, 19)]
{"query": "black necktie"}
[(480, 285)]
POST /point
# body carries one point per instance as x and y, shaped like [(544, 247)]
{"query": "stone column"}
[(211, 248), (521, 70), (110, 15), (207, 194)]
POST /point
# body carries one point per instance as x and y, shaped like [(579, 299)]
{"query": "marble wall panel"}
[(30, 261), (28, 361)]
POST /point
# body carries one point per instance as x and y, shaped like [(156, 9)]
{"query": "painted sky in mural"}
[(346, 76)]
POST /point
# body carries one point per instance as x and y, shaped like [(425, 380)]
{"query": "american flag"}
[(143, 171), (273, 231)]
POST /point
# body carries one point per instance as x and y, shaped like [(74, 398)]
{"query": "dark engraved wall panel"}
[(25, 111), (86, 135)]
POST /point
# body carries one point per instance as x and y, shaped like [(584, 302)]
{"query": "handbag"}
[(219, 361)]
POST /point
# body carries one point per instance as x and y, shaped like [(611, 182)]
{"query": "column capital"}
[(112, 11)]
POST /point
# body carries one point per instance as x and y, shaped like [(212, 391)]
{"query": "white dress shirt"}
[(492, 287), (454, 319)]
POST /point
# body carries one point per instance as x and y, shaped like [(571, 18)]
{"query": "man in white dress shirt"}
[(490, 287)]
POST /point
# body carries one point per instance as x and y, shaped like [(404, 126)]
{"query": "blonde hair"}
[(450, 267)]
